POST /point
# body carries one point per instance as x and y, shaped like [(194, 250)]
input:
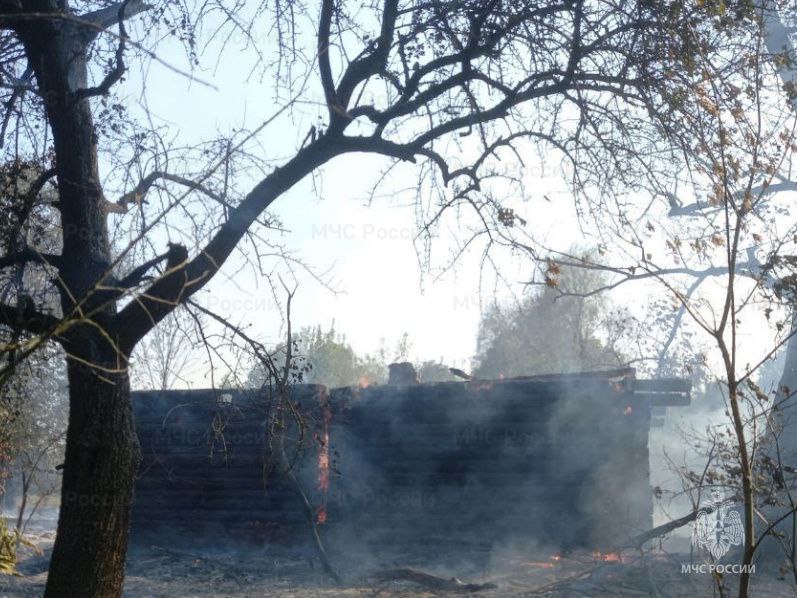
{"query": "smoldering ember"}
[(398, 298)]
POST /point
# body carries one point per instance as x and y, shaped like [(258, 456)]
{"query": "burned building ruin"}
[(558, 459)]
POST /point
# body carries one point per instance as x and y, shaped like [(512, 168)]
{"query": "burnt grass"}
[(266, 571)]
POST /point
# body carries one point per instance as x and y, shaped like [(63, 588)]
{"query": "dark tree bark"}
[(101, 461), (102, 450)]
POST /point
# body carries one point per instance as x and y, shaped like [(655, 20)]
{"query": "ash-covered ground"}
[(160, 571)]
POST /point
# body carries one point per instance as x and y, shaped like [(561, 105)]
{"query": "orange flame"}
[(544, 565), (607, 557), (323, 440), (321, 515), (323, 464), (363, 382)]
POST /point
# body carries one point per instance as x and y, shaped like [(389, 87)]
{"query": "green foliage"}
[(8, 549), (12, 424), (10, 540), (33, 418), (327, 358), (435, 371), (558, 329), (334, 363), (8, 420)]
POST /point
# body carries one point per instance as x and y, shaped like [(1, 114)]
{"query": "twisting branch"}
[(139, 193), (26, 317), (137, 274), (116, 73), (18, 92), (27, 255), (105, 17)]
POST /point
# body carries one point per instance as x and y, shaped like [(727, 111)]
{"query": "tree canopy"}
[(548, 331)]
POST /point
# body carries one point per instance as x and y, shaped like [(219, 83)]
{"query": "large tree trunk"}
[(102, 457), (101, 446)]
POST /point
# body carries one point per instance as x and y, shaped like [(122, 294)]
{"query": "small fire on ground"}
[(597, 556), (607, 557)]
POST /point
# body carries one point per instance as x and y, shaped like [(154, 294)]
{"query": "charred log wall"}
[(207, 467), (562, 460)]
